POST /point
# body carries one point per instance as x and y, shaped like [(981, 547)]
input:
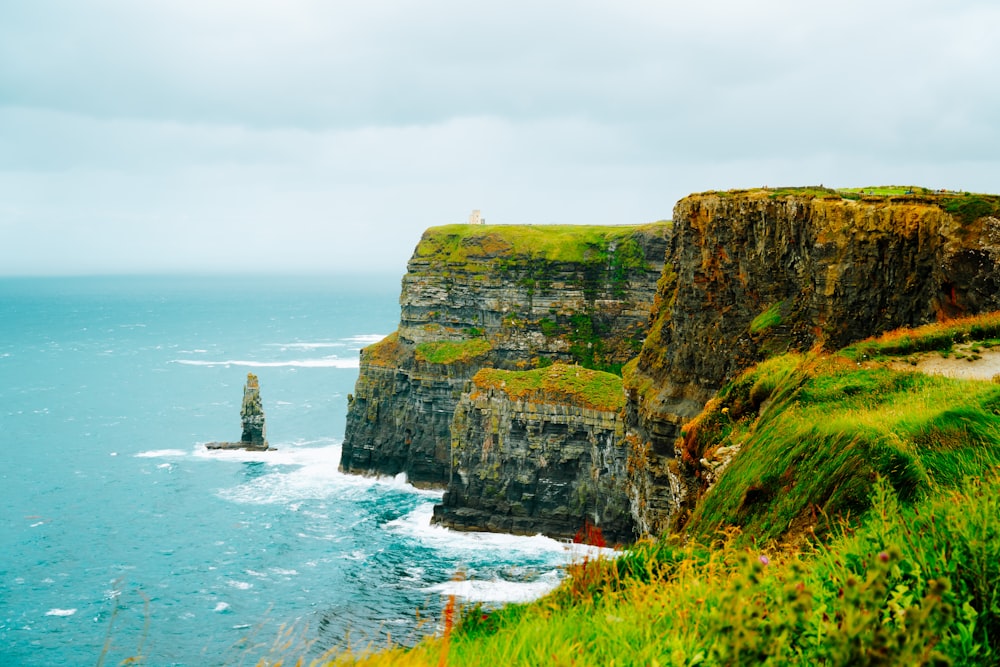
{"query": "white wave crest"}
[(161, 453), (498, 590), (305, 346), (325, 362), (316, 477), (60, 612), (365, 339), (417, 524)]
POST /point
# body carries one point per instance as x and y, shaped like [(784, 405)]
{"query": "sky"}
[(322, 136)]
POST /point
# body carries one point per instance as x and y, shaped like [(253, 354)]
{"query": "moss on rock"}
[(559, 382)]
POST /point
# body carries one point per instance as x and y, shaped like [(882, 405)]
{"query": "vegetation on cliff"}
[(938, 336), (812, 433), (966, 206), (484, 248), (511, 297), (909, 585), (451, 352), (857, 522), (836, 507), (557, 383), (385, 352)]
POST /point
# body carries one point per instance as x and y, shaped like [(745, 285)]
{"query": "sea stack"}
[(252, 414), (252, 418)]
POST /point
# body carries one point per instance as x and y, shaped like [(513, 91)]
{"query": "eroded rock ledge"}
[(510, 297), (755, 273), (539, 452)]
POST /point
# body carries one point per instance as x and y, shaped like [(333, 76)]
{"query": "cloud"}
[(310, 135)]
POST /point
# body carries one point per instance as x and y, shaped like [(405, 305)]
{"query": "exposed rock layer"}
[(748, 275), (756, 274), (254, 436), (537, 463), (504, 297)]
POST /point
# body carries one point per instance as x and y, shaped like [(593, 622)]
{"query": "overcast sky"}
[(319, 135)]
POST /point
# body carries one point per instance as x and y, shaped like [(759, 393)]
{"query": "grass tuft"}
[(448, 352), (596, 390), (938, 336)]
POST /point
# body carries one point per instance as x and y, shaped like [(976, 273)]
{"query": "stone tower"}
[(252, 414)]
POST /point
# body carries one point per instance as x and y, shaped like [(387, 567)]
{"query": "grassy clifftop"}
[(966, 206), (481, 244), (560, 382)]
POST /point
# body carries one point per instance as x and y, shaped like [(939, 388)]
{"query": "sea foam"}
[(325, 362), (365, 339), (315, 478), (498, 590), (417, 524), (161, 453), (60, 612)]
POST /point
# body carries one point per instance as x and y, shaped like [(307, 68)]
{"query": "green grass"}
[(859, 523), (814, 438), (470, 245), (448, 352), (767, 319), (910, 585), (969, 207), (385, 352), (940, 336), (809, 192), (886, 190), (559, 382)]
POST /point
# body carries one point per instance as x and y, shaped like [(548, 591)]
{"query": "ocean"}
[(121, 535)]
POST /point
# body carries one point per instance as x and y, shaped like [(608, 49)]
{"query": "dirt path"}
[(986, 367)]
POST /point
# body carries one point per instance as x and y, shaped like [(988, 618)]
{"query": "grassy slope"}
[(914, 580), (560, 382), (815, 431), (910, 585)]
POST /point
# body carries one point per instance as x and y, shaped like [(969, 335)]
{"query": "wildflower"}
[(764, 560), (884, 557)]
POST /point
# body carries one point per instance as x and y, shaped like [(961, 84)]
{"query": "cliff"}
[(756, 273), (507, 297), (749, 275), (539, 452)]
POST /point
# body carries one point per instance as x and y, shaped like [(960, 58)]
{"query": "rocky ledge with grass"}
[(539, 452), (484, 296), (752, 274)]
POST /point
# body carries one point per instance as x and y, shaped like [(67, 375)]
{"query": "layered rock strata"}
[(756, 273), (539, 452), (509, 297), (251, 419)]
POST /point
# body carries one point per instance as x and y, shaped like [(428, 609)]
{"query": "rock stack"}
[(252, 417)]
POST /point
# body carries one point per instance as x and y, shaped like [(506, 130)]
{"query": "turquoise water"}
[(122, 535)]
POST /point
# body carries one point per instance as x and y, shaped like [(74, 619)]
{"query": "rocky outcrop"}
[(751, 274), (539, 452), (508, 297), (252, 420), (748, 275)]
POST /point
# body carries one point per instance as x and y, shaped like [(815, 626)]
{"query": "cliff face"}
[(539, 452), (757, 273), (488, 296)]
